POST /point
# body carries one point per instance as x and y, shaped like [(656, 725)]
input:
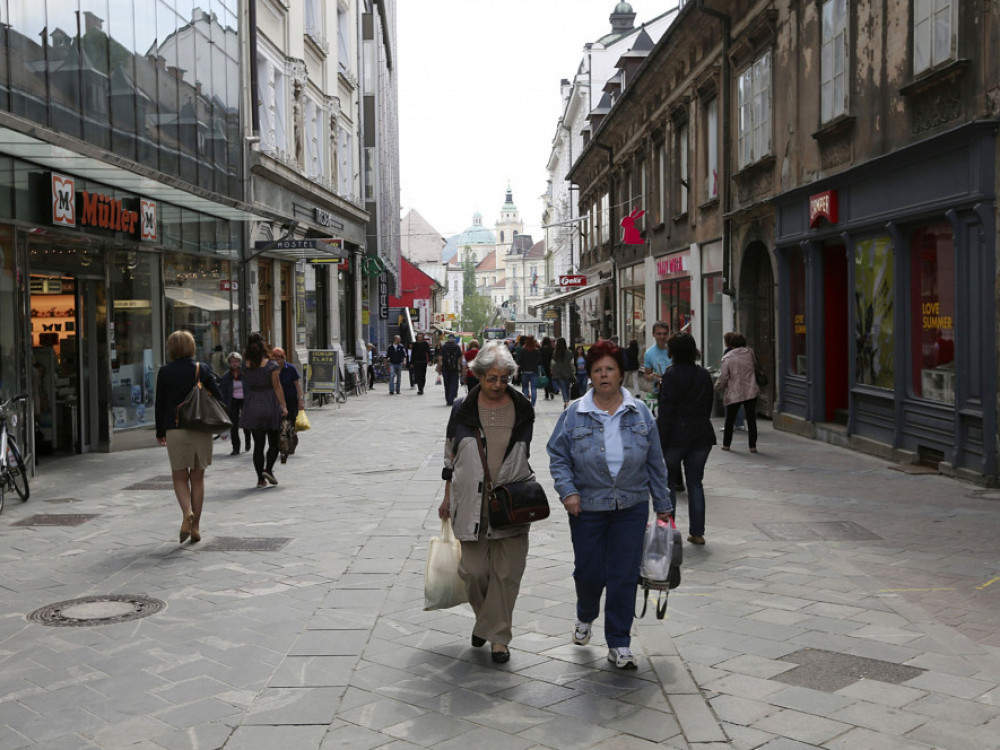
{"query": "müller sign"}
[(90, 209)]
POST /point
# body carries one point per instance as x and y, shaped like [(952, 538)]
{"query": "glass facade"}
[(675, 303), (199, 298), (932, 317), (874, 304), (135, 348), (151, 81), (713, 344), (633, 303)]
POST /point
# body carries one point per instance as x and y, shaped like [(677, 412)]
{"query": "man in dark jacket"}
[(397, 358), (450, 365)]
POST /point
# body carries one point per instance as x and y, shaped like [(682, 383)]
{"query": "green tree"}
[(477, 312), (469, 274)]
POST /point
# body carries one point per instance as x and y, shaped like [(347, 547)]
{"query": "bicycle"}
[(381, 369), (355, 379), (13, 475)]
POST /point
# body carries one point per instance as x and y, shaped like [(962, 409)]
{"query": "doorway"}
[(70, 356), (836, 334), (757, 315)]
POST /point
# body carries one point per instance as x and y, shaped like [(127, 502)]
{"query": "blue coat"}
[(578, 465)]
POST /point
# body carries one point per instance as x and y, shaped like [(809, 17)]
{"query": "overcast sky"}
[(479, 100)]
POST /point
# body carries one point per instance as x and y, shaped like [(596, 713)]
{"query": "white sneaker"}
[(623, 657), (581, 633)]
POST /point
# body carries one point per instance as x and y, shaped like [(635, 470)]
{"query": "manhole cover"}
[(247, 544), (817, 531), (830, 671), (104, 609), (55, 519)]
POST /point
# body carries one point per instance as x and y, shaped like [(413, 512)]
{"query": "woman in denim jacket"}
[(606, 463)]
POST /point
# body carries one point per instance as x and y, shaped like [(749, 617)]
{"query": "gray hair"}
[(235, 355), (494, 354)]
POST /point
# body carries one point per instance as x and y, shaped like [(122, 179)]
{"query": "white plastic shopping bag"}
[(442, 586), (657, 551)]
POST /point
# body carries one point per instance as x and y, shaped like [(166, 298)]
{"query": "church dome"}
[(623, 8), (477, 234)]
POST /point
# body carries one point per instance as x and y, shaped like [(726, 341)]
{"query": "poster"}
[(321, 371)]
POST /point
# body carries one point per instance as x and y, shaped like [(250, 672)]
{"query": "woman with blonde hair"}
[(190, 451)]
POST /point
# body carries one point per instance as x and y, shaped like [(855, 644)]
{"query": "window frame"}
[(712, 149), (753, 86), (928, 23), (682, 139), (832, 106)]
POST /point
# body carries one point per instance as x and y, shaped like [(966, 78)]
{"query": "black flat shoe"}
[(500, 657), (478, 642)]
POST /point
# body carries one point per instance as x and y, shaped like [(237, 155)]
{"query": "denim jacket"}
[(578, 465)]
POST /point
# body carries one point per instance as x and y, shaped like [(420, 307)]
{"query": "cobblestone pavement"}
[(837, 604)]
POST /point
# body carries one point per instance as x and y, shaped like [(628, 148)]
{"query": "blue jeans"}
[(450, 386), (395, 376), (562, 386), (528, 387), (694, 469), (581, 383), (607, 551)]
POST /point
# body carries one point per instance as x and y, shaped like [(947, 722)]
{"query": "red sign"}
[(673, 265), (103, 211), (227, 285), (576, 280), (823, 205)]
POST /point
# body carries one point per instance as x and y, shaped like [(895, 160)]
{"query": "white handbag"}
[(442, 586)]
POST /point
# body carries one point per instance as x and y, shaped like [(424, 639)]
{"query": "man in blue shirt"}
[(398, 356), (656, 360)]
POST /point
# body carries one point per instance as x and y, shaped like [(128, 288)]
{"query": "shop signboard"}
[(132, 217), (321, 371), (573, 280)]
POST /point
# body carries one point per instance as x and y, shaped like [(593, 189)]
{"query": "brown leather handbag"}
[(514, 503)]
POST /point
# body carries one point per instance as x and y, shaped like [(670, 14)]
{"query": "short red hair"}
[(605, 348)]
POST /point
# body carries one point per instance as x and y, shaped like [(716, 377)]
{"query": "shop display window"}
[(11, 376), (135, 355), (713, 344), (675, 303), (797, 312), (932, 316), (874, 306), (201, 296)]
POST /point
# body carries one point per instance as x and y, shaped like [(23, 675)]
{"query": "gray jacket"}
[(463, 466), (737, 380)]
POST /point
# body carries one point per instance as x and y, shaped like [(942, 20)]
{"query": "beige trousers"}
[(492, 570)]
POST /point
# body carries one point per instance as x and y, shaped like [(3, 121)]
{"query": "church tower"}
[(507, 226)]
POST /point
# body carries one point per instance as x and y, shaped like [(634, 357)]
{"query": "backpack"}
[(452, 358)]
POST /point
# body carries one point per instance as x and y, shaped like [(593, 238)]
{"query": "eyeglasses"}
[(492, 379)]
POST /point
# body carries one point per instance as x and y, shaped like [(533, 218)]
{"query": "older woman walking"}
[(493, 560), (738, 384), (190, 451), (606, 462), (263, 406)]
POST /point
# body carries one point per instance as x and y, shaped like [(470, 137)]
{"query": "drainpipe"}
[(724, 121), (611, 236), (574, 261)]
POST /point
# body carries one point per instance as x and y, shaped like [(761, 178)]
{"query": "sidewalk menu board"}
[(321, 371)]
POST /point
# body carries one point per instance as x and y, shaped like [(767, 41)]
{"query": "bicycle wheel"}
[(18, 474)]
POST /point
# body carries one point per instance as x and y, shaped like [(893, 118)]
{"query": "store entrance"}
[(69, 348)]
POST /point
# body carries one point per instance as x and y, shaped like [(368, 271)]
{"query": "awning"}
[(203, 300), (67, 161), (573, 294)]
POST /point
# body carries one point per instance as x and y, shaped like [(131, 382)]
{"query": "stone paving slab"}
[(324, 643)]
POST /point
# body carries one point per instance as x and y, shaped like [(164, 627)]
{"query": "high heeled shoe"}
[(186, 526)]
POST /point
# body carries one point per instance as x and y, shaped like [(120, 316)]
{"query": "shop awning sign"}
[(132, 217), (572, 280), (328, 244), (823, 206)]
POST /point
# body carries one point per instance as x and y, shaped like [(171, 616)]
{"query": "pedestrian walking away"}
[(420, 358), (291, 388), (450, 366), (684, 420), (470, 353), (547, 351), (264, 406), (493, 560), (606, 463), (738, 385), (231, 386), (218, 362), (563, 370), (397, 355), (580, 363), (190, 451), (727, 340), (632, 367), (530, 359)]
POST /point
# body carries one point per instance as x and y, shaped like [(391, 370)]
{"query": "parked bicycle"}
[(13, 475), (381, 369)]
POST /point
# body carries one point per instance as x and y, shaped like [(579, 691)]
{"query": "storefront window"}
[(135, 356), (797, 305), (874, 300), (199, 298), (675, 303), (633, 304), (713, 345), (932, 320), (10, 339)]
